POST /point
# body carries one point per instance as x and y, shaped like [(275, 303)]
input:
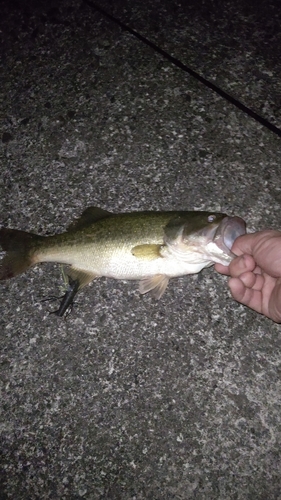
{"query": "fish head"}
[(205, 236)]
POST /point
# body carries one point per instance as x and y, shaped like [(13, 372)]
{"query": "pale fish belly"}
[(127, 266)]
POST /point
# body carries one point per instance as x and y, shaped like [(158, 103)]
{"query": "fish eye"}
[(211, 218)]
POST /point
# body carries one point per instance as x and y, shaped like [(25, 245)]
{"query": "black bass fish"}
[(151, 247)]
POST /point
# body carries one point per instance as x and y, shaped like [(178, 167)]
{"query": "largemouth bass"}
[(151, 247)]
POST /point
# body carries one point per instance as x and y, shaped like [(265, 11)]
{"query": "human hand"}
[(255, 274)]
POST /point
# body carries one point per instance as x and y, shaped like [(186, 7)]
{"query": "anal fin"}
[(82, 277), (77, 279), (156, 284)]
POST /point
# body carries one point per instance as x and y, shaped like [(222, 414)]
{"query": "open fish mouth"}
[(224, 235), (229, 229), (217, 239)]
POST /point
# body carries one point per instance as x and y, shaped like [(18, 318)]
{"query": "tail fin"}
[(19, 257)]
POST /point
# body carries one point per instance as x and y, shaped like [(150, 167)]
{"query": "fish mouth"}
[(226, 233), (211, 244), (218, 239)]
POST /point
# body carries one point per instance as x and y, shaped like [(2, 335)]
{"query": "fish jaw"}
[(227, 232), (209, 245)]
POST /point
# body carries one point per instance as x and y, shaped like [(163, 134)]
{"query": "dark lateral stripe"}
[(185, 68)]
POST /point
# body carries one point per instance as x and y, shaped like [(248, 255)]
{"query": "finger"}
[(222, 269), (247, 296), (252, 280), (240, 265)]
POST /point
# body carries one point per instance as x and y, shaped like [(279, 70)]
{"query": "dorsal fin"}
[(90, 215)]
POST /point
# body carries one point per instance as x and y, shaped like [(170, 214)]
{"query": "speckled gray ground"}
[(129, 398)]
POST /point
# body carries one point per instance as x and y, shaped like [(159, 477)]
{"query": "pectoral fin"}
[(147, 252), (155, 284)]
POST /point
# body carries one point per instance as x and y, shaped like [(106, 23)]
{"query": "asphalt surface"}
[(129, 398)]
